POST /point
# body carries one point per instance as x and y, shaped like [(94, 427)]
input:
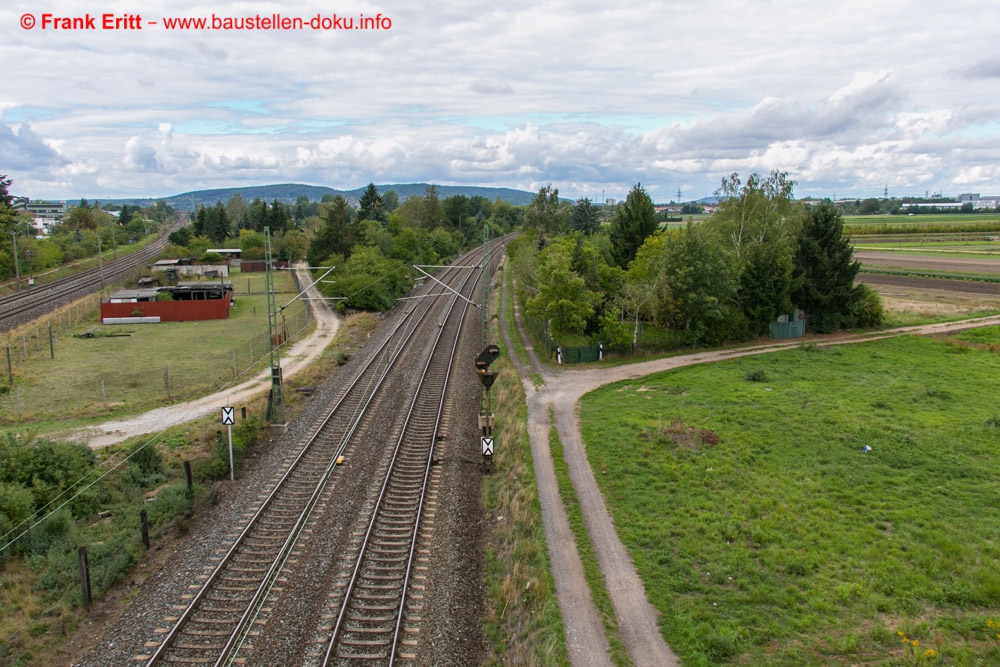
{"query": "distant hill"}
[(289, 192)]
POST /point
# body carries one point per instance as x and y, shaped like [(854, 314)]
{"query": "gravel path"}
[(298, 357), (561, 392)]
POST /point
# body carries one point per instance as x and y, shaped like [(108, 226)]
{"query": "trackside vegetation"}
[(813, 506), (522, 620), (759, 257)]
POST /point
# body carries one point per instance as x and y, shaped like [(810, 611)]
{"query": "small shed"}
[(189, 302), (789, 326)]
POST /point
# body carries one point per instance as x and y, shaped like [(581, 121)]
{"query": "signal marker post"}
[(229, 418), (486, 376)]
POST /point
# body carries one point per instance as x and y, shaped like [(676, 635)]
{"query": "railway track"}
[(220, 622), (30, 304), (371, 618)]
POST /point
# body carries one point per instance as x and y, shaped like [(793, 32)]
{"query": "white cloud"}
[(584, 95)]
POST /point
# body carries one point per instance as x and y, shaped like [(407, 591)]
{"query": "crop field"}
[(139, 367), (814, 506)]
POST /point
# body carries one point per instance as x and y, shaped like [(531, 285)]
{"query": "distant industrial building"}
[(46, 214), (979, 202), (42, 209)]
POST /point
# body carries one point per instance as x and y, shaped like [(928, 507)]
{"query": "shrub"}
[(148, 459), (756, 375), (867, 310)]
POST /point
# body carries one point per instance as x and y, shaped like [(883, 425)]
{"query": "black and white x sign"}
[(487, 446), (228, 416)]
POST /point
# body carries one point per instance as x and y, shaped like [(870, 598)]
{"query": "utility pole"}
[(100, 258), (17, 268), (275, 403), (485, 309)]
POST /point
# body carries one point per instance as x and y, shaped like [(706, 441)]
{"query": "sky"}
[(849, 98)]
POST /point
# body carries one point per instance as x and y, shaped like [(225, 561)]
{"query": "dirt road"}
[(563, 387)]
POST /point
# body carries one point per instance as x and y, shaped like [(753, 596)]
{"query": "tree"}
[(216, 225), (368, 280), (699, 284), (80, 217), (236, 212), (755, 212), (180, 237), (562, 297), (370, 205), (278, 219), (544, 212), (337, 235), (503, 216), (431, 214), (634, 221), (825, 270), (291, 245), (584, 217), (390, 200), (7, 216), (456, 210), (303, 208), (6, 199), (757, 223), (252, 244)]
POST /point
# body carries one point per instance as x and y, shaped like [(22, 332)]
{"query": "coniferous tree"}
[(825, 270), (216, 224), (336, 236), (370, 205), (584, 217), (635, 220)]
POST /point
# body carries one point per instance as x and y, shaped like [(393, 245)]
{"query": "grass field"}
[(766, 535), (94, 378)]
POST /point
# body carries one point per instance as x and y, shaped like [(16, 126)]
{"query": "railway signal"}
[(486, 376), (228, 419)]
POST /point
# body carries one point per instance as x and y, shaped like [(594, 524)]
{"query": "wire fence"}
[(107, 384), (649, 340)]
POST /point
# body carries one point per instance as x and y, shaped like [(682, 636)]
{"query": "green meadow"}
[(127, 369), (767, 535)]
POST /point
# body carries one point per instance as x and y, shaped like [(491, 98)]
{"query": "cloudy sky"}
[(848, 97)]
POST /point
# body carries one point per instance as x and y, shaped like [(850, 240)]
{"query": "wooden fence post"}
[(144, 527), (84, 576)]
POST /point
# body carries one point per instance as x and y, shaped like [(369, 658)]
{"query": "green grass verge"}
[(917, 273), (585, 547), (766, 536), (515, 338), (522, 620), (911, 318)]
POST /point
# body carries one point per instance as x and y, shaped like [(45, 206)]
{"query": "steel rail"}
[(419, 399), (243, 626), (15, 305), (281, 485), (181, 622)]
